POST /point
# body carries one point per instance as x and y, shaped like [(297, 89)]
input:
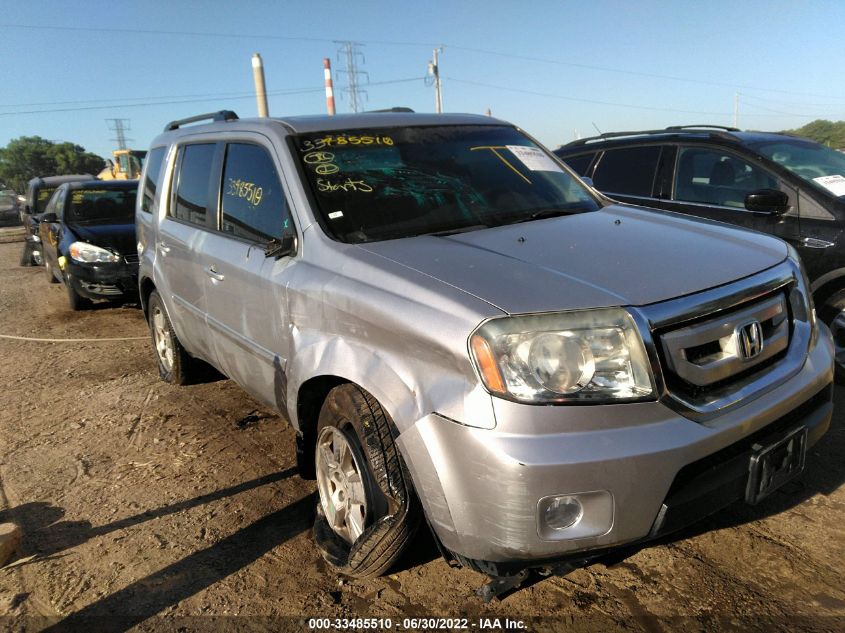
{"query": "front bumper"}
[(480, 488), (115, 281)]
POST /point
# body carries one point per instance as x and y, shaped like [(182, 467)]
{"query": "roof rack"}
[(221, 115), (705, 126), (393, 109), (715, 130)]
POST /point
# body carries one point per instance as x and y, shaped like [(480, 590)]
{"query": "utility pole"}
[(350, 54), (736, 110), (260, 89), (119, 127), (327, 75), (434, 71)]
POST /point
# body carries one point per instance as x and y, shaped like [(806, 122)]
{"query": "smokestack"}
[(327, 72), (260, 90)]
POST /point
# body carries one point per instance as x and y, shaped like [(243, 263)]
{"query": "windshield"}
[(42, 198), (388, 183), (811, 161), (101, 206)]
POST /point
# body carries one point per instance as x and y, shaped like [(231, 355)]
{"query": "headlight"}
[(594, 355), (90, 254), (802, 296)]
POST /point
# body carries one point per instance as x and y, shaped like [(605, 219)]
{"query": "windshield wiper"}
[(458, 229), (547, 212)]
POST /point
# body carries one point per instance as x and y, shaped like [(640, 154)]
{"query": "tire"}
[(392, 512), (175, 365), (833, 315), (26, 255), (76, 301), (48, 270)]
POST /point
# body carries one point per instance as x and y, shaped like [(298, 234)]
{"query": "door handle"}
[(212, 272), (163, 248)]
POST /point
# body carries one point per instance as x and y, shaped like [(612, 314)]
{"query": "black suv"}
[(783, 185)]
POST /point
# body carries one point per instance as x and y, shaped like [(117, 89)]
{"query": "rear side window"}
[(629, 170), (191, 203), (152, 179), (254, 205), (712, 176), (579, 164)]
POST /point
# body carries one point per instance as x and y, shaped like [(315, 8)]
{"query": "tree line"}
[(26, 157), (830, 133)]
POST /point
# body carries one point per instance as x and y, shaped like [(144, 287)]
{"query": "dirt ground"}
[(158, 507)]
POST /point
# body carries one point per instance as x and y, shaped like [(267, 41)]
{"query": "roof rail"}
[(716, 130), (705, 126), (221, 115), (393, 109)]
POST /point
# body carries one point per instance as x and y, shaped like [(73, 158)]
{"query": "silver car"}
[(463, 332)]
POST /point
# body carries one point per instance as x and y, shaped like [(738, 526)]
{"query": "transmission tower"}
[(119, 127), (349, 54)]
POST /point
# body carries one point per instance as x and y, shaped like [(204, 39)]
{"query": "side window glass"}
[(579, 164), (191, 203), (254, 205), (629, 170), (152, 178), (712, 176)]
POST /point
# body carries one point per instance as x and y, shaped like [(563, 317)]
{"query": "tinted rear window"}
[(192, 188), (628, 170), (42, 198), (101, 206), (152, 179), (579, 164)]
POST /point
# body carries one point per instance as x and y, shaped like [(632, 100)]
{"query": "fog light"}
[(574, 515), (563, 512)]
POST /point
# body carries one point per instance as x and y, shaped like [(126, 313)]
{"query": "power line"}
[(469, 49), (598, 102), (350, 54), (119, 127), (177, 102)]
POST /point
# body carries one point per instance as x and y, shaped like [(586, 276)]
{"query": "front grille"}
[(733, 343), (131, 259)]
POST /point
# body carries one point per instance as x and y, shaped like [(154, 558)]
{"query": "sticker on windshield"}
[(834, 184), (334, 215), (533, 158)]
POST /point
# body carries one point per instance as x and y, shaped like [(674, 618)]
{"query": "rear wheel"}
[(26, 255), (833, 314), (367, 514), (48, 270), (175, 365)]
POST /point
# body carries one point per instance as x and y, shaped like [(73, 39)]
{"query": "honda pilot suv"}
[(462, 333), (790, 187)]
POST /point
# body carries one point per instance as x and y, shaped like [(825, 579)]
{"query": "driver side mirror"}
[(282, 247), (771, 201), (587, 181)]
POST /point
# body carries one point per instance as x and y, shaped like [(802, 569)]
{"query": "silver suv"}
[(461, 331)]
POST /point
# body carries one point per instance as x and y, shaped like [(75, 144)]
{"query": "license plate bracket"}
[(772, 465)]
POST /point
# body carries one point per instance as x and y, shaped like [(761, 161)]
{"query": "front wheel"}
[(367, 513)]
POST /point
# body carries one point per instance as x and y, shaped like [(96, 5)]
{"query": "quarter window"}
[(152, 179), (712, 176), (191, 204), (579, 164), (629, 170), (254, 205)]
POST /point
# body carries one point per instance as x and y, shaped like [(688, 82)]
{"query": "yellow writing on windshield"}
[(494, 149), (340, 140)]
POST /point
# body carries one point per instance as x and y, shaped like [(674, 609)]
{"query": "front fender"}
[(409, 386)]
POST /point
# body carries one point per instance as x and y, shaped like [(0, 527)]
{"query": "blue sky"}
[(555, 68)]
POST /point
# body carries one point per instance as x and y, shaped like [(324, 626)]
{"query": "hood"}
[(119, 238), (619, 255)]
